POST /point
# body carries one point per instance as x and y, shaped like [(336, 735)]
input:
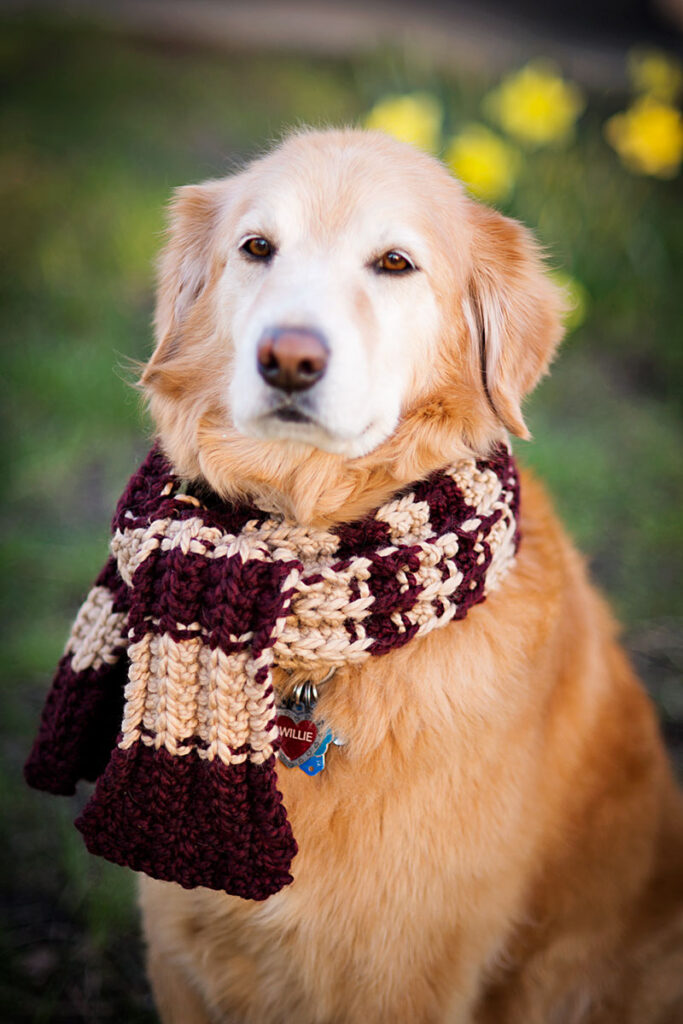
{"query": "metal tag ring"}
[(306, 692)]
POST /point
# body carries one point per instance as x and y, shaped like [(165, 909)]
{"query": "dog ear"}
[(513, 311), (186, 264)]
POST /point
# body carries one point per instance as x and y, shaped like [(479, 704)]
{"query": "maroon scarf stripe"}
[(225, 597), (191, 821), (78, 727), (109, 578), (141, 504)]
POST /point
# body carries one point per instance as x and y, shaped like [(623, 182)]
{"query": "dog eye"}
[(394, 262), (257, 247)]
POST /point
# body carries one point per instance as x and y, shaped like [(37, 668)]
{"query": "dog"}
[(499, 839)]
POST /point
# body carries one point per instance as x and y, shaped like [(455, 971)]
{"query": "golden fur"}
[(500, 839)]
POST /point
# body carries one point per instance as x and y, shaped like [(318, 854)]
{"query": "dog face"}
[(341, 306), (331, 321)]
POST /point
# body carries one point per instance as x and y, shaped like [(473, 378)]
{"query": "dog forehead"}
[(329, 185)]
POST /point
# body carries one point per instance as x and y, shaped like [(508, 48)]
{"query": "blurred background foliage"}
[(97, 128)]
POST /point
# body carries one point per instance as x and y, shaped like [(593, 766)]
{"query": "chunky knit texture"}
[(164, 692)]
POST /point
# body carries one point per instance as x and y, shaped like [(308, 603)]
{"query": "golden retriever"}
[(500, 838)]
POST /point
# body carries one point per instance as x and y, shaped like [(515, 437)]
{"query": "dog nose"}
[(292, 358)]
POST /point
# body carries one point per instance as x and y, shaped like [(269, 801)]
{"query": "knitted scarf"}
[(164, 692)]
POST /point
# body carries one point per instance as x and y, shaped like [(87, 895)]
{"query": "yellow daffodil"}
[(536, 105), (414, 118), (577, 300), (484, 162), (656, 74), (648, 137)]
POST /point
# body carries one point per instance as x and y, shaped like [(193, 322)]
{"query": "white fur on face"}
[(378, 326)]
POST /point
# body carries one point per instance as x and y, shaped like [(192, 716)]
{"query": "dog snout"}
[(292, 358)]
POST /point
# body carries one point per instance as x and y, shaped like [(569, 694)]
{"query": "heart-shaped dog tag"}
[(300, 737)]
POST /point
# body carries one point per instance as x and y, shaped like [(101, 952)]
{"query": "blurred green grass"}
[(96, 130)]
